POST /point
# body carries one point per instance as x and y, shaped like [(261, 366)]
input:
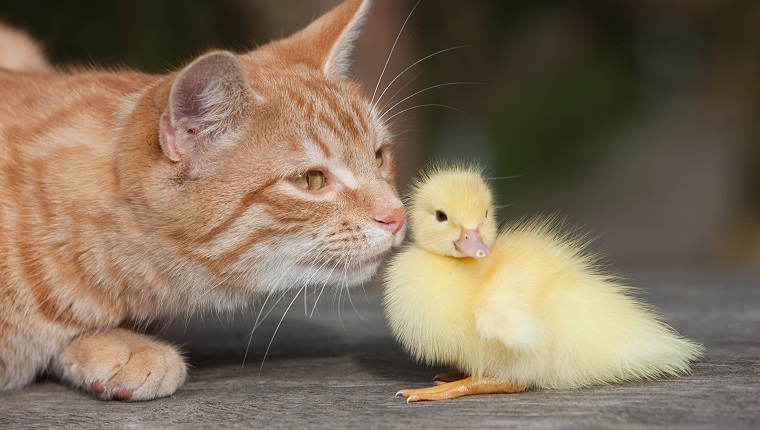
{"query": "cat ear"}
[(327, 43), (205, 104)]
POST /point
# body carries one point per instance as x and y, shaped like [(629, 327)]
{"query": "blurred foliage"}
[(557, 73), (543, 126), (149, 35)]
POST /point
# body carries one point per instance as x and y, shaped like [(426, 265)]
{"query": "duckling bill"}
[(523, 308)]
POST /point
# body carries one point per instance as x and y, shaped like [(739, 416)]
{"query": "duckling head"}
[(451, 213)]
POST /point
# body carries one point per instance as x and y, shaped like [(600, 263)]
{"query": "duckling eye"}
[(441, 216), (313, 180)]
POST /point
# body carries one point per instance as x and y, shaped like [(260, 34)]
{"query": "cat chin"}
[(363, 273)]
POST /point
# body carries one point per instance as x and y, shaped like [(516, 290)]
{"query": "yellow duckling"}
[(519, 309)]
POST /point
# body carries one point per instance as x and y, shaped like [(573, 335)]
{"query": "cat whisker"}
[(344, 287), (282, 276), (364, 291), (426, 89), (286, 312), (240, 275), (390, 54), (501, 178), (255, 325), (393, 97), (198, 298), (271, 308), (278, 328), (414, 64), (315, 294), (344, 278), (305, 305), (259, 319), (336, 298), (348, 293), (263, 306), (316, 301), (324, 285), (258, 322), (425, 105)]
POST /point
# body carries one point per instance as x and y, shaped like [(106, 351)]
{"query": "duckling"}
[(523, 308)]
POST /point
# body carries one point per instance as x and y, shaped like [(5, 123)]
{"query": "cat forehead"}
[(327, 122), (320, 100), (304, 85)]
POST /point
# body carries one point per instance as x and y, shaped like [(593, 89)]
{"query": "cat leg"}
[(121, 364), (17, 370), (464, 387)]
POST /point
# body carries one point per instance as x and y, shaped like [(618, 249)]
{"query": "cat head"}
[(272, 168)]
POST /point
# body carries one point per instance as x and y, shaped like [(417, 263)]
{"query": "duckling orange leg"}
[(450, 376), (464, 387)]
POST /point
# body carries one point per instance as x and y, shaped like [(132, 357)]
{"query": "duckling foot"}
[(464, 387)]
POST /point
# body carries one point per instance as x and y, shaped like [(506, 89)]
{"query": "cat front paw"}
[(122, 365)]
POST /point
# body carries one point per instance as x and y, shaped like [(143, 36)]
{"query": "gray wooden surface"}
[(341, 370)]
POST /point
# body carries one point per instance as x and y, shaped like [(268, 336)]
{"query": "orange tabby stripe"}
[(248, 200), (257, 237), (26, 259), (275, 208), (359, 111), (348, 120), (332, 126)]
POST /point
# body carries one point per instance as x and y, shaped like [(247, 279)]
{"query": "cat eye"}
[(441, 216), (313, 180), (379, 161)]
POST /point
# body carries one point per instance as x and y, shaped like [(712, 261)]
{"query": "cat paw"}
[(122, 365)]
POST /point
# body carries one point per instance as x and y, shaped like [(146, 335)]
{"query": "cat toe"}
[(149, 374), (124, 394), (97, 387)]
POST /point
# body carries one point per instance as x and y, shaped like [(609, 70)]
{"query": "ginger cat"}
[(130, 198)]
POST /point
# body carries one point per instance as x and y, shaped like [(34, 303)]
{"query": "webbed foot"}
[(463, 387)]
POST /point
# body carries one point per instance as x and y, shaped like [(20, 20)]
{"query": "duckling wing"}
[(503, 313)]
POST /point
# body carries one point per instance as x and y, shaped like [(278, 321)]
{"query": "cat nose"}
[(393, 220)]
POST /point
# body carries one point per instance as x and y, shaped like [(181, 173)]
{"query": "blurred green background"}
[(636, 120)]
